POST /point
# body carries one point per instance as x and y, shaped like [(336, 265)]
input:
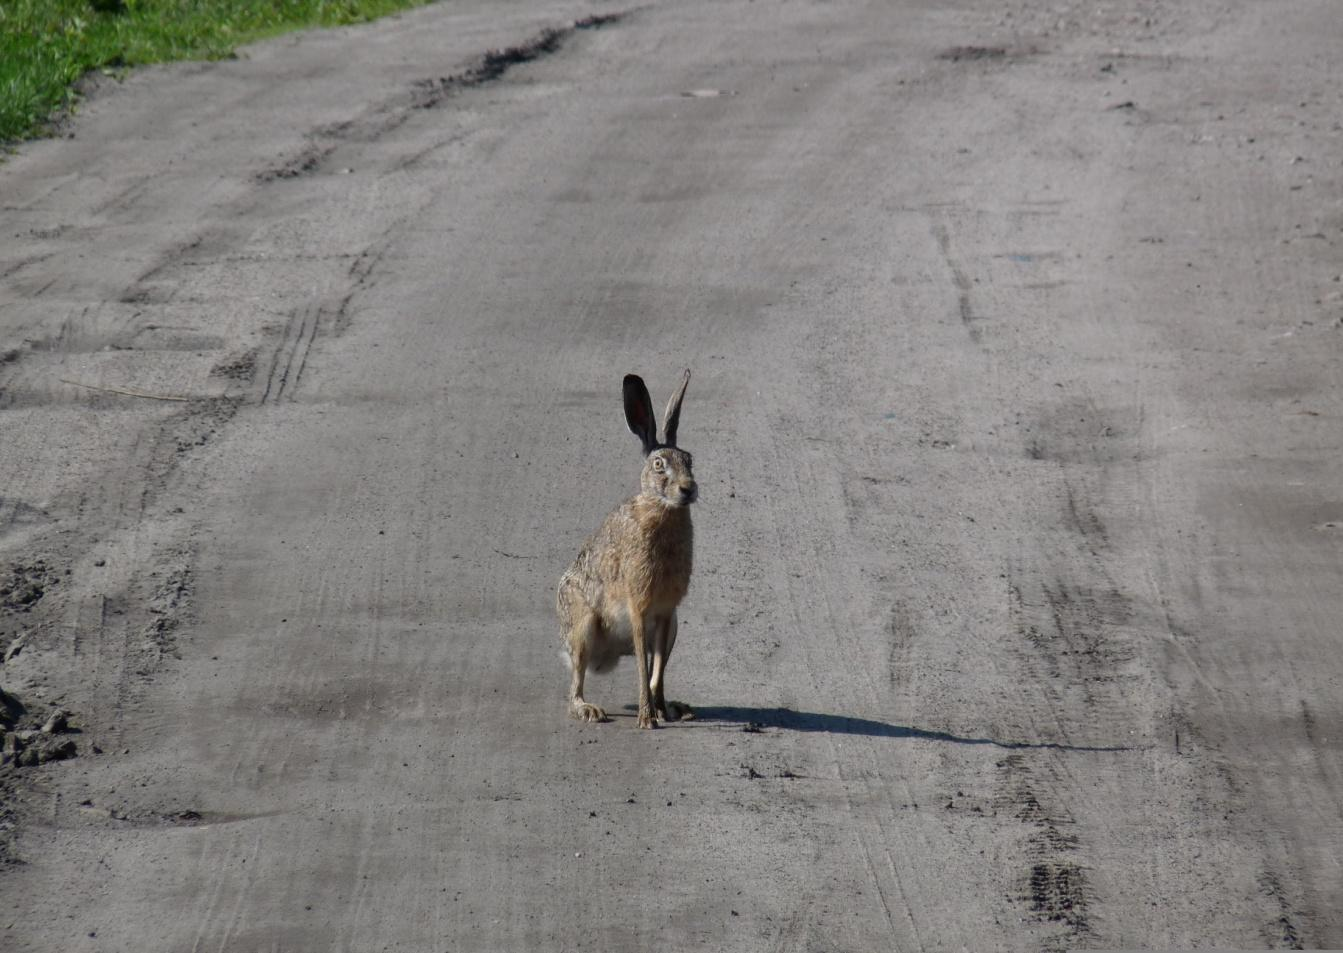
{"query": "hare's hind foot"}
[(675, 711), (582, 711)]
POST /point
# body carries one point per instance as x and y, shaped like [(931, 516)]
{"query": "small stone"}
[(58, 722)]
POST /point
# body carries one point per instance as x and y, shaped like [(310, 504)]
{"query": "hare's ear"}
[(639, 412), (672, 419)]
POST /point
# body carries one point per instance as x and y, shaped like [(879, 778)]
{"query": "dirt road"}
[(1016, 414)]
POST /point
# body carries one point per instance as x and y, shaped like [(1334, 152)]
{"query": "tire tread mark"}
[(960, 279), (292, 353)]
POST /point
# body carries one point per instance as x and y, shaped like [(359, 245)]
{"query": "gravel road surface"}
[(1017, 414)]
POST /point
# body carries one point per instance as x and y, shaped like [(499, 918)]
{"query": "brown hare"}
[(620, 595)]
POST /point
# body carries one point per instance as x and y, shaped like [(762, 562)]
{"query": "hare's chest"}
[(668, 561)]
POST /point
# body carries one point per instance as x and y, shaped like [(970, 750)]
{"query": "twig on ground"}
[(124, 391)]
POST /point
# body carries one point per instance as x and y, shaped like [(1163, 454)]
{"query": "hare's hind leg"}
[(664, 640), (582, 629)]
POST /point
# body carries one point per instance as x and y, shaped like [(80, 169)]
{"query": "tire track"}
[(960, 280), (811, 610), (291, 354), (1070, 639), (1056, 888)]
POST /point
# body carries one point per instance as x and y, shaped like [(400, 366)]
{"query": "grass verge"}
[(47, 45)]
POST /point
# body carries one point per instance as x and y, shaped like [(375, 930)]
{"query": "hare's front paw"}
[(646, 719), (676, 711), (585, 712)]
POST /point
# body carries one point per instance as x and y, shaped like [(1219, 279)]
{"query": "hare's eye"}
[(659, 464)]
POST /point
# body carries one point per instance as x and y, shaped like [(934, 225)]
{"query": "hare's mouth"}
[(673, 498)]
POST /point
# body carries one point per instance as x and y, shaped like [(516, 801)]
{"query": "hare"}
[(619, 596)]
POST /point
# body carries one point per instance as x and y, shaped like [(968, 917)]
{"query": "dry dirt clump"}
[(30, 738), (24, 584)]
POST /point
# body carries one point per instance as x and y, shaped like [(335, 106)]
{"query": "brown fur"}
[(620, 595)]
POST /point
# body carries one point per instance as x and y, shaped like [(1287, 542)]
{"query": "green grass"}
[(47, 45)]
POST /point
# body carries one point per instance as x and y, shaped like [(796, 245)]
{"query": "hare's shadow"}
[(789, 720)]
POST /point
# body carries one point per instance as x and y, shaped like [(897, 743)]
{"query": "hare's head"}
[(667, 474)]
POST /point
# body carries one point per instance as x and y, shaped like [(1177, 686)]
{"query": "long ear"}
[(672, 419), (639, 412)]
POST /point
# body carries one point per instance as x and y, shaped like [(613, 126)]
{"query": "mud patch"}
[(975, 53), (429, 93), (241, 367), (497, 62), (423, 94), (308, 161), (196, 428), (597, 21), (957, 54), (1080, 432)]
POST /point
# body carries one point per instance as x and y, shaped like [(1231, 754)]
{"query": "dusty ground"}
[(1017, 414)]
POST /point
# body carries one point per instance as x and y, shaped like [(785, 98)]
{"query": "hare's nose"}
[(689, 491)]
